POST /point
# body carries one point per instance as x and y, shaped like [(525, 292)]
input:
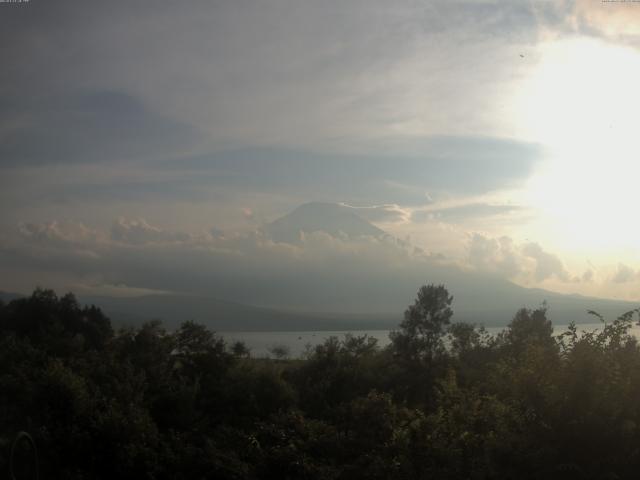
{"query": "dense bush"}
[(444, 400)]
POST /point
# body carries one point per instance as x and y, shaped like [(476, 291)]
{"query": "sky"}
[(144, 145)]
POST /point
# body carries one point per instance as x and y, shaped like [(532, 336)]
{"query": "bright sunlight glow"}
[(582, 104)]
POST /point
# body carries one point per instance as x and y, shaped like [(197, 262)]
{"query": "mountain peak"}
[(331, 218)]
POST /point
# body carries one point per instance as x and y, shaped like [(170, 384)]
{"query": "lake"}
[(260, 342)]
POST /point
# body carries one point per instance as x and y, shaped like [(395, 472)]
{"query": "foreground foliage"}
[(444, 400)]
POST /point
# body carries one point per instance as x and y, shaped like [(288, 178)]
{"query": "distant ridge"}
[(228, 316), (331, 218), (6, 297), (223, 315), (220, 315)]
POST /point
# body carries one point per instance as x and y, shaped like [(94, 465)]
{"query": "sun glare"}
[(582, 104)]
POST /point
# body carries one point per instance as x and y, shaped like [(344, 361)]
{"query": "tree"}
[(280, 351), (240, 349), (530, 327), (424, 324), (195, 339)]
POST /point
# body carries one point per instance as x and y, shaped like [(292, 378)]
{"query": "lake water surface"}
[(261, 342)]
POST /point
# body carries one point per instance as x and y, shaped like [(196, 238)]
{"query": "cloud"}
[(393, 184), (62, 239), (320, 272), (547, 264), (61, 245), (231, 105), (139, 232), (382, 213), (58, 233), (245, 72), (527, 262), (365, 103), (89, 127), (616, 21), (407, 172), (466, 212), (494, 255), (624, 274), (129, 185)]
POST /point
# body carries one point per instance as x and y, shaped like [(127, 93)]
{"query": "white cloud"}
[(390, 213), (624, 274), (547, 264), (495, 255), (138, 232), (57, 233), (469, 212), (527, 262)]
